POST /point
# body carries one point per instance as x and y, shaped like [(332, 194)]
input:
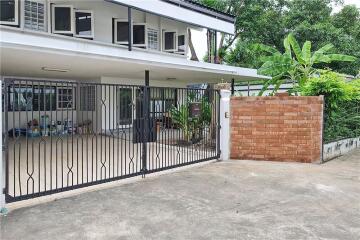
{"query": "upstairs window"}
[(169, 41), (153, 39), (84, 24), (121, 32), (139, 35), (62, 19), (34, 15), (181, 44), (9, 12)]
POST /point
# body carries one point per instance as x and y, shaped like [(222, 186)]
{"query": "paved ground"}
[(225, 200)]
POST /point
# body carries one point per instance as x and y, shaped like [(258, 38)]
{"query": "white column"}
[(2, 161), (225, 124)]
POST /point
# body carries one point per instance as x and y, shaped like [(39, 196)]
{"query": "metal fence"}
[(65, 135)]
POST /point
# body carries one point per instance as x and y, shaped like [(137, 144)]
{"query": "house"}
[(88, 88)]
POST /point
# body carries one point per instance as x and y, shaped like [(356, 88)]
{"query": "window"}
[(121, 32), (169, 41), (32, 98), (181, 44), (153, 39), (34, 15), (161, 100), (87, 98), (139, 35), (65, 98), (84, 24), (9, 12), (62, 19)]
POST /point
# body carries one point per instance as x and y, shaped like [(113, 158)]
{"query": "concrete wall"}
[(280, 128), (338, 148)]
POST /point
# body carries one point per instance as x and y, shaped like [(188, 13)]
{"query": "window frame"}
[(164, 41), (149, 30), (53, 30), (23, 17), (58, 95), (115, 32), (17, 15), (144, 45), (178, 46), (92, 23)]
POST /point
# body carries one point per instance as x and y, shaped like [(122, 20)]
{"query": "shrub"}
[(342, 104)]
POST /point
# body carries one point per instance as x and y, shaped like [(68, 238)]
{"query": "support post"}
[(225, 124), (2, 163), (232, 87), (215, 48), (130, 28), (146, 122)]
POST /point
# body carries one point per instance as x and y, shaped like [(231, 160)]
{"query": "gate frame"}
[(5, 197)]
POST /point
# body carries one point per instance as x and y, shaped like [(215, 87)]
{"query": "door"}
[(125, 107)]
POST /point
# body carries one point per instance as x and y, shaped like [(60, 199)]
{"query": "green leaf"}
[(341, 58), (306, 52), (265, 48), (296, 48)]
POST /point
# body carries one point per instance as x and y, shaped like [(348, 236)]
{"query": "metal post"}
[(232, 87), (215, 48), (2, 163), (130, 28), (146, 122), (248, 88)]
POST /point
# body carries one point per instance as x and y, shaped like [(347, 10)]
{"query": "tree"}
[(297, 64), (270, 21)]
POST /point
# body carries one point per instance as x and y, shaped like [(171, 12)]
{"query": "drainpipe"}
[(2, 163), (130, 28)]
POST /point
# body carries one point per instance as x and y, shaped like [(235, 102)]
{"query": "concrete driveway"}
[(223, 200)]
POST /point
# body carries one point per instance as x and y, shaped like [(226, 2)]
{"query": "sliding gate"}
[(62, 135)]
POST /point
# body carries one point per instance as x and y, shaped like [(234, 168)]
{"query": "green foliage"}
[(192, 126), (342, 104), (296, 63), (268, 22)]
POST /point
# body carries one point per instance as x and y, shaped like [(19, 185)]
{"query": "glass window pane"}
[(122, 31), (62, 18), (139, 34), (83, 23), (7, 10), (169, 40)]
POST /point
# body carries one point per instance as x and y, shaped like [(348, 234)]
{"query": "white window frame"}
[(92, 23), (145, 36), (158, 38), (72, 99), (71, 31), (115, 31), (175, 39), (16, 22), (177, 49), (45, 15)]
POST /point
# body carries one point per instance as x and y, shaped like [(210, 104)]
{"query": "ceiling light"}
[(54, 69)]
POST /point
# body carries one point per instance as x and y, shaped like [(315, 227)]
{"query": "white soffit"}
[(172, 11)]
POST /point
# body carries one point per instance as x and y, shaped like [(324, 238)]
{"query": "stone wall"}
[(278, 128)]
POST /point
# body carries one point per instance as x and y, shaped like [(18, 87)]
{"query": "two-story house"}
[(76, 76)]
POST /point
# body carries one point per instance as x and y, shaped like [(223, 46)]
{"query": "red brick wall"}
[(279, 128)]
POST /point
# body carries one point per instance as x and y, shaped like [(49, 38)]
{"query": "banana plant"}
[(296, 64)]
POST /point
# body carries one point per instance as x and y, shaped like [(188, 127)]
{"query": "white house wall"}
[(104, 13)]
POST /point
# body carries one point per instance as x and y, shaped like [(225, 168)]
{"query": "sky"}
[(199, 37)]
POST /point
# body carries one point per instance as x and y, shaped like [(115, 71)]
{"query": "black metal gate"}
[(65, 135)]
